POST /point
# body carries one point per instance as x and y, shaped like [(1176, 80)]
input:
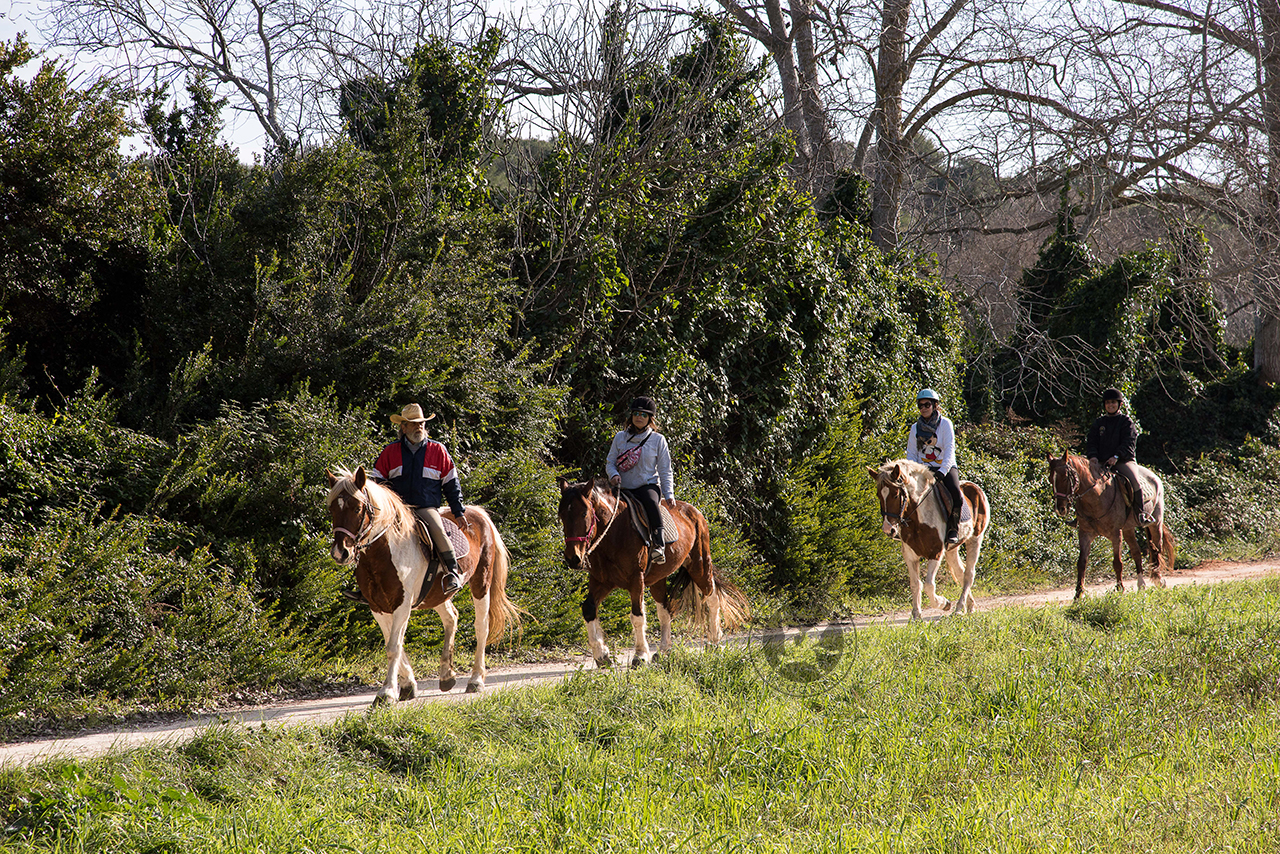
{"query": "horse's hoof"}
[(409, 691), (475, 687), (447, 684), (383, 698), (604, 663), (638, 661), (946, 605), (1119, 588)]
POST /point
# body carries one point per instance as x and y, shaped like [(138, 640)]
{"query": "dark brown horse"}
[(1094, 495), (600, 538), (376, 531)]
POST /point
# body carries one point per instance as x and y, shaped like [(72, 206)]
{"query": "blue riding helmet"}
[(927, 394)]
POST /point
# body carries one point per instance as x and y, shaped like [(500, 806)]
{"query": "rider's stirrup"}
[(657, 554)]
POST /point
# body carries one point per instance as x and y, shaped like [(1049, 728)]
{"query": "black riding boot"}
[(453, 580), (355, 596), (953, 526), (658, 547)]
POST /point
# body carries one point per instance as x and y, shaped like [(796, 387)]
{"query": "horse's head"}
[(348, 509), (1065, 480), (578, 512), (895, 496)]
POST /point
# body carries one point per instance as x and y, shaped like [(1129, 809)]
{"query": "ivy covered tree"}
[(77, 222)]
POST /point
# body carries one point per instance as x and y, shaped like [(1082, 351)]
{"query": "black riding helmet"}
[(645, 405), (1112, 394)]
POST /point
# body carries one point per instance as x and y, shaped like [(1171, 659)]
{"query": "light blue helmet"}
[(927, 394)]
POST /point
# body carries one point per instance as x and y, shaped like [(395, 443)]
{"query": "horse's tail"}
[(683, 593), (502, 611)]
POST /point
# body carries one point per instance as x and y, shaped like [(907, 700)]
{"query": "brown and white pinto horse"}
[(376, 531), (1093, 494), (599, 537), (910, 512)]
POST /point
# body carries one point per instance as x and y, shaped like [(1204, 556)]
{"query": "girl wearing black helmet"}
[(640, 461), (932, 441), (1113, 442)]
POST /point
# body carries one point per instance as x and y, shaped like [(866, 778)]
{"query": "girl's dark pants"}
[(647, 495), (952, 480)]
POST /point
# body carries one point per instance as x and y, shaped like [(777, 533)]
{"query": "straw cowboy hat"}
[(411, 413)]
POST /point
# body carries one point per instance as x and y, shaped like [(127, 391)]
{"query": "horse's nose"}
[(888, 529), (571, 558)]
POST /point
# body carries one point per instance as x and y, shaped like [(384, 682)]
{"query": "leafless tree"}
[(280, 61)]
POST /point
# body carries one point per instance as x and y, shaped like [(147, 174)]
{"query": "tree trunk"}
[(1266, 345), (821, 149), (891, 160)]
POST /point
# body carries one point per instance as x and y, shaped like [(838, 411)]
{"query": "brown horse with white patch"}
[(1094, 494), (599, 537), (910, 512), (378, 532)]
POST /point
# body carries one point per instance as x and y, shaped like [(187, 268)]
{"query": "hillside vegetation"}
[(187, 342)]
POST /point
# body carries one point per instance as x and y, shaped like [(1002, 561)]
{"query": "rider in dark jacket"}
[(1113, 442)]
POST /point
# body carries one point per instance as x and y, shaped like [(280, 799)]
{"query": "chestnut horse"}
[(1093, 493), (376, 531), (909, 512), (600, 538)]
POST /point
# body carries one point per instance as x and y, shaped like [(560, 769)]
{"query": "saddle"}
[(641, 523), (457, 539), (944, 499)]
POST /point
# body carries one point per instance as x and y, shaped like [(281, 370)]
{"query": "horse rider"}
[(1113, 439), (932, 441), (421, 472), (640, 461)]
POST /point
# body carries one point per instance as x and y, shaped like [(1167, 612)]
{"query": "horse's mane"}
[(388, 510), (916, 476), (586, 489)]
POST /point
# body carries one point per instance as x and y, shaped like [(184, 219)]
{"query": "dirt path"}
[(310, 712)]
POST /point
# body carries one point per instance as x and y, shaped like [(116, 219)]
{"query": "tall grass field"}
[(1134, 722)]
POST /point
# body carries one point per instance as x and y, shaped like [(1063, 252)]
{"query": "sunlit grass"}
[(1142, 722)]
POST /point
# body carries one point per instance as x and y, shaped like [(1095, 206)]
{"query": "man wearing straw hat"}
[(422, 473)]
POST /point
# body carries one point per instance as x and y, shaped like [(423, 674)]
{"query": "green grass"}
[(1140, 722)]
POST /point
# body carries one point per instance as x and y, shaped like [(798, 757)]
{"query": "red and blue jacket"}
[(423, 478)]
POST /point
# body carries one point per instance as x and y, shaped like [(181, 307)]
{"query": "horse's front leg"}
[(476, 682), (964, 577), (449, 616), (930, 583), (1117, 564), (639, 628), (1086, 540), (393, 628), (913, 577), (596, 591), (1131, 540)]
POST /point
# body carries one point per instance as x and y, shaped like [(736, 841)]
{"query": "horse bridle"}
[(1073, 482), (907, 503), (357, 544), (591, 527)]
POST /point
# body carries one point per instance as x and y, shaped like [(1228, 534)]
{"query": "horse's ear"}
[(562, 483), (1065, 453), (359, 479), (329, 477), (896, 472), (875, 475)]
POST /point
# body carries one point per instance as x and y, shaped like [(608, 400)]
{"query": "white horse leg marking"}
[(449, 616), (641, 654), (476, 682), (595, 639), (913, 575), (972, 549), (664, 623), (930, 585), (393, 627)]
